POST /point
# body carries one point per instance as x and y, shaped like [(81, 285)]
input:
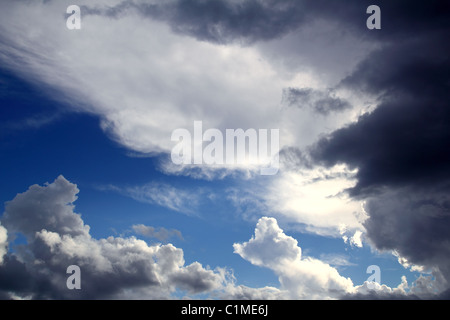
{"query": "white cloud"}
[(311, 200), (336, 260), (146, 85), (162, 194), (165, 195), (375, 288), (301, 277), (240, 292), (355, 240), (308, 278)]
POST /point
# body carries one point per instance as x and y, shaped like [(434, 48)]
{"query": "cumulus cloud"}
[(57, 237), (219, 21), (301, 277)]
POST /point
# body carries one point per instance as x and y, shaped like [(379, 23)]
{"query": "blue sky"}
[(98, 105)]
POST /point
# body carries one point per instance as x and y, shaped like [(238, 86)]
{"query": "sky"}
[(88, 171)]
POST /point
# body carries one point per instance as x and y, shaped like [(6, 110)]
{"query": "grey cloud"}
[(162, 194), (415, 224), (405, 139), (218, 21), (57, 237), (32, 211), (401, 148), (223, 21), (195, 279), (322, 102)]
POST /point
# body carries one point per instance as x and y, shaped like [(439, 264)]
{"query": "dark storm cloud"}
[(224, 21), (219, 21), (415, 223), (402, 147), (14, 276), (406, 138)]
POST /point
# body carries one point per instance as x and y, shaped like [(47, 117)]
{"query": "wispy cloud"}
[(160, 233), (162, 194)]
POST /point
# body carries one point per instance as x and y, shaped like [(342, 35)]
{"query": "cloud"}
[(322, 102), (240, 292), (414, 223), (47, 207), (162, 194), (376, 291), (57, 237), (313, 201), (219, 21), (3, 243), (301, 277), (336, 260), (249, 21), (163, 83), (111, 268), (161, 233), (354, 240)]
